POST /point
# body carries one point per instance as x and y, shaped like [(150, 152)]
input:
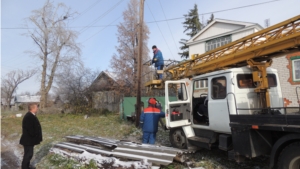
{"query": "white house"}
[(220, 32), (24, 100)]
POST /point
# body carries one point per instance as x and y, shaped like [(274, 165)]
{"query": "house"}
[(107, 91), (218, 33), (221, 32), (4, 103), (21, 101), (288, 67)]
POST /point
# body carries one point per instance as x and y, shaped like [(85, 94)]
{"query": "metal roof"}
[(27, 99), (158, 155)]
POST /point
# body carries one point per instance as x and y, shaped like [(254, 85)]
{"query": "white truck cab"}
[(198, 113)]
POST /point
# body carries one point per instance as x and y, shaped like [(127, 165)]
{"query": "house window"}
[(217, 42), (296, 68), (201, 84)]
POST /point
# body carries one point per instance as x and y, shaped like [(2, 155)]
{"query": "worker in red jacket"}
[(149, 121)]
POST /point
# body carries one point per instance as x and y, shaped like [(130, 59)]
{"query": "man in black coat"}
[(31, 134)]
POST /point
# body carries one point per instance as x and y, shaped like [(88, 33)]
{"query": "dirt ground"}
[(207, 159), (11, 152)]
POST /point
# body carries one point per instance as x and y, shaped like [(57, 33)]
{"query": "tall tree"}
[(124, 62), (56, 44), (191, 26), (11, 81), (212, 17)]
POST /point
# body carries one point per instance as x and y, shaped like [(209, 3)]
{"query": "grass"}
[(56, 126), (65, 163)]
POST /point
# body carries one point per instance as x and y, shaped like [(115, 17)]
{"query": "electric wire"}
[(82, 13), (160, 31), (169, 26), (101, 29), (164, 20), (224, 10), (100, 17)]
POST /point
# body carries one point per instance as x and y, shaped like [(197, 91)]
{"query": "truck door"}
[(177, 109)]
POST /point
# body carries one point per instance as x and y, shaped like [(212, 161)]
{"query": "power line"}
[(224, 10), (98, 26), (160, 30), (101, 16), (89, 8), (86, 10), (168, 26), (102, 29)]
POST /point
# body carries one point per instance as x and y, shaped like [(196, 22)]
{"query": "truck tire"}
[(290, 157), (178, 138)]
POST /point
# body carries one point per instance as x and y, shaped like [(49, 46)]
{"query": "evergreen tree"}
[(212, 17), (191, 26)]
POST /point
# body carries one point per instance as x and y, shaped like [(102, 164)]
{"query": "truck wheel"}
[(290, 157), (177, 138)]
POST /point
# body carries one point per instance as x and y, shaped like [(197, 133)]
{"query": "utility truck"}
[(242, 110)]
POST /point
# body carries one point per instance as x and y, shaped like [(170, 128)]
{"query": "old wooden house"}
[(107, 91)]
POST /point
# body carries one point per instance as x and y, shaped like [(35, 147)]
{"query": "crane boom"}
[(255, 50), (264, 45)]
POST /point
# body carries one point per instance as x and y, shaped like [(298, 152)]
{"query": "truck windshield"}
[(246, 80)]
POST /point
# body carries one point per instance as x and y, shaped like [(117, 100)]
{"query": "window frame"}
[(293, 68), (198, 82), (211, 93), (269, 74), (217, 42), (183, 90)]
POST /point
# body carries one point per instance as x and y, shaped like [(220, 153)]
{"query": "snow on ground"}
[(11, 153), (101, 161)]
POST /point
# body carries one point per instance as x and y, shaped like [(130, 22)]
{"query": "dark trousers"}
[(28, 153), (160, 76), (149, 138)]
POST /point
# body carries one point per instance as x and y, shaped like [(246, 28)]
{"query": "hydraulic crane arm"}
[(251, 50), (263, 45)]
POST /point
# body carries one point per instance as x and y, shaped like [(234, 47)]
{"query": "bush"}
[(21, 107)]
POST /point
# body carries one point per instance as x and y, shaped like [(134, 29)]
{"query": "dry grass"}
[(56, 126)]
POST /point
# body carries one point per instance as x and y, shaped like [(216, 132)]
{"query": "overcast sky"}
[(98, 43)]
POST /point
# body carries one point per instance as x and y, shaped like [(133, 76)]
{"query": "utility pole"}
[(139, 68)]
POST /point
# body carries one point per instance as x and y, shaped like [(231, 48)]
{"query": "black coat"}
[(31, 130)]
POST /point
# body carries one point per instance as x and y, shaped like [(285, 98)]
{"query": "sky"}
[(98, 41)]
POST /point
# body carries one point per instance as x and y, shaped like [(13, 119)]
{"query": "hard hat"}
[(152, 101)]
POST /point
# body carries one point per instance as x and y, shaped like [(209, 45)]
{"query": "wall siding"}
[(106, 100), (218, 28), (288, 90), (242, 34), (197, 49)]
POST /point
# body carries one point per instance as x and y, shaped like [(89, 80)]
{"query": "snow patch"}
[(101, 161)]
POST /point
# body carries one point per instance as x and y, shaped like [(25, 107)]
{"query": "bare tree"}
[(124, 63), (74, 86), (57, 46), (10, 82)]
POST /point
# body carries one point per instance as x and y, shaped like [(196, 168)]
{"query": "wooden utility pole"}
[(139, 68)]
